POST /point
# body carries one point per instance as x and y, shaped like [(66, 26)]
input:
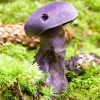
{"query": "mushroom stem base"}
[(51, 57)]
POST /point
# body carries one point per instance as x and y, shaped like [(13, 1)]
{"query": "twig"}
[(5, 88), (19, 92)]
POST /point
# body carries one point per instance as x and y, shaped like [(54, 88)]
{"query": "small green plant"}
[(12, 72), (17, 73)]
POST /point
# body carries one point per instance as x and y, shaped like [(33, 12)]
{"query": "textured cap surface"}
[(49, 16)]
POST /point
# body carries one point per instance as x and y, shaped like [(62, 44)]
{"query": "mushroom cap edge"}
[(49, 16)]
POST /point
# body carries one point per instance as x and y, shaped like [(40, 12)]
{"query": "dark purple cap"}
[(49, 16)]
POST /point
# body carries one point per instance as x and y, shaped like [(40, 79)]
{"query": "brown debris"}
[(17, 90), (14, 33), (68, 35), (5, 88), (79, 63), (90, 32)]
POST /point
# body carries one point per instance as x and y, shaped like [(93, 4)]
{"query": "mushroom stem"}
[(51, 57)]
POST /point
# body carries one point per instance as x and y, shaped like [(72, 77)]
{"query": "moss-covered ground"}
[(19, 79)]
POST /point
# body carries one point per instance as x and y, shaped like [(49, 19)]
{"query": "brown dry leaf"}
[(68, 35)]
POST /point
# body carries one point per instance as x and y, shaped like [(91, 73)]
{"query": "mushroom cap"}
[(49, 16)]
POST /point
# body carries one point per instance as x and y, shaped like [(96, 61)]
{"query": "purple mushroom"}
[(47, 22)]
